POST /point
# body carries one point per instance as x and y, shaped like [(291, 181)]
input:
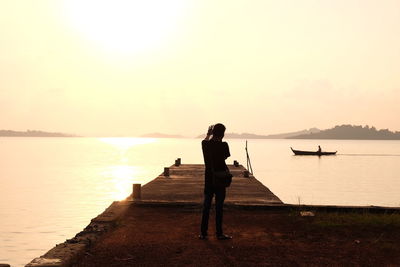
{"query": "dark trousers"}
[(219, 203)]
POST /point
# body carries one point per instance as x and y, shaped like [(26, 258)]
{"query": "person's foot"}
[(224, 237), (203, 237)]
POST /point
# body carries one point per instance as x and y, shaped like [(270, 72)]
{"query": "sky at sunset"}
[(134, 67)]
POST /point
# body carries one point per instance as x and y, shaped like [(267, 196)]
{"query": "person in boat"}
[(319, 149), (215, 152)]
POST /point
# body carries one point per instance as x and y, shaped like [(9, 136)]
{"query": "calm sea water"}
[(50, 188)]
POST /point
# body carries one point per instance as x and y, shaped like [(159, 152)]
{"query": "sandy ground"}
[(167, 236)]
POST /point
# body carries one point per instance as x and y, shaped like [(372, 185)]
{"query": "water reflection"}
[(120, 180)]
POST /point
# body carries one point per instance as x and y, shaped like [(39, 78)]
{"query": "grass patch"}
[(357, 219)]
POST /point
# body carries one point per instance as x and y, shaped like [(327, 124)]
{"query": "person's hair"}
[(219, 130)]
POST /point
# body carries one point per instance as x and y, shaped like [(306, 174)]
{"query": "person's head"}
[(219, 130)]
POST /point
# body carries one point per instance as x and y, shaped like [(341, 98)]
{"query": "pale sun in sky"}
[(123, 26)]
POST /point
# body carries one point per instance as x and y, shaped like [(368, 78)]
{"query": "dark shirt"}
[(214, 153)]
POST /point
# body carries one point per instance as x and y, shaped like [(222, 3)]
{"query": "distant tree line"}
[(352, 132)]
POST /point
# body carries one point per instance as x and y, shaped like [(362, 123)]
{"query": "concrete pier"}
[(177, 185)]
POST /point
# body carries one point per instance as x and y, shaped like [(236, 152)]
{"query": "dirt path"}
[(166, 236)]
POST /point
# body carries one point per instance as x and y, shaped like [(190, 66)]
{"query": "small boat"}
[(312, 153)]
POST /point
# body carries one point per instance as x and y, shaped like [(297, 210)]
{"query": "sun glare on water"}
[(125, 26), (121, 177)]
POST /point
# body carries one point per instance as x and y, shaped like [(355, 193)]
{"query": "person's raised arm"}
[(209, 132)]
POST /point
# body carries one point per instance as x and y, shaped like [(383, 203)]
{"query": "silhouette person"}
[(319, 149), (214, 152)]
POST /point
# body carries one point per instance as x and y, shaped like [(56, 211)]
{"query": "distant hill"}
[(32, 133), (161, 135), (351, 132), (271, 136)]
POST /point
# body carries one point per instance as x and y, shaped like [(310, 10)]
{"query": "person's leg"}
[(219, 205), (208, 196)]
